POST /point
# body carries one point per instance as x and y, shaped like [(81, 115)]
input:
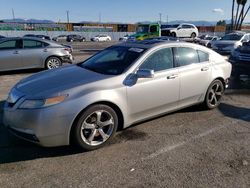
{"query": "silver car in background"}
[(229, 42), (119, 86), (28, 52)]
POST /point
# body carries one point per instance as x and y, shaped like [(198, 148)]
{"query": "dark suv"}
[(240, 59), (72, 38)]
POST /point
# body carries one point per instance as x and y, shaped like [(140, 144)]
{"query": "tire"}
[(173, 34), (83, 40), (53, 62), (193, 35), (91, 133), (71, 40), (214, 95)]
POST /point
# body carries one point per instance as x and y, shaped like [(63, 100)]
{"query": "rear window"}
[(187, 56), (32, 44)]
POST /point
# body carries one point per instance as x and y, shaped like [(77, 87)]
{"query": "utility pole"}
[(160, 14), (167, 19), (67, 20), (13, 14), (100, 17), (67, 16)]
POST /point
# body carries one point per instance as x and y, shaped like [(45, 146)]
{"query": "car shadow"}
[(25, 71), (235, 112), (13, 149)]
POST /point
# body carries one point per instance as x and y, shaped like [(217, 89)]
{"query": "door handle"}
[(172, 76), (204, 68), (16, 52), (45, 50)]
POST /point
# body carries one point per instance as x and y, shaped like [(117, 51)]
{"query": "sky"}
[(125, 11)]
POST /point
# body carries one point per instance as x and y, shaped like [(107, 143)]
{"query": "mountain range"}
[(197, 23)]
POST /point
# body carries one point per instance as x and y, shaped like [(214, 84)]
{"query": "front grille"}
[(244, 57), (26, 136), (222, 45)]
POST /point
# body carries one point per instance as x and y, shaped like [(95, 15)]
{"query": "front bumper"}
[(46, 126), (239, 66)]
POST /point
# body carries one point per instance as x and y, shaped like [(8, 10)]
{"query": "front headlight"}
[(40, 103)]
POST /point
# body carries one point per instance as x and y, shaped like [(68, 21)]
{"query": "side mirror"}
[(178, 28), (145, 73)]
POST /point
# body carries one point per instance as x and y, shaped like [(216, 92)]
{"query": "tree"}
[(240, 14), (221, 23)]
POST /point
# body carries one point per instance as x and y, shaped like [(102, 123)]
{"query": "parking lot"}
[(188, 148)]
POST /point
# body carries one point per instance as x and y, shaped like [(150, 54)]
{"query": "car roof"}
[(146, 44), (32, 38)]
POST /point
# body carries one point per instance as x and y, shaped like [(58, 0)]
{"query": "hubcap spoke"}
[(92, 135), (106, 123), (88, 125), (99, 116), (103, 135)]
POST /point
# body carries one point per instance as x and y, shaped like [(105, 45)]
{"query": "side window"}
[(11, 44), (160, 60), (186, 56), (203, 56), (153, 29), (32, 44)]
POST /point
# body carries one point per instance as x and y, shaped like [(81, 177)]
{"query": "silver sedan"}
[(24, 53), (121, 85)]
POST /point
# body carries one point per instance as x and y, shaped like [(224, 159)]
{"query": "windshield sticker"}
[(138, 50)]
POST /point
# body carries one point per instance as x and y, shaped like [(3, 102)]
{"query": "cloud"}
[(218, 10)]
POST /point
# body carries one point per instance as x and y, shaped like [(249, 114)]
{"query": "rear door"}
[(10, 58), (33, 53), (194, 72)]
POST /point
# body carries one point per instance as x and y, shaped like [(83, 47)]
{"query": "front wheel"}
[(53, 62), (95, 127), (214, 94)]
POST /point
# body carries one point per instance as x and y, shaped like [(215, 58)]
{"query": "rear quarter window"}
[(203, 56)]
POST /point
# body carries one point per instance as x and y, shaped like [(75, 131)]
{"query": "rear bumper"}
[(67, 59)]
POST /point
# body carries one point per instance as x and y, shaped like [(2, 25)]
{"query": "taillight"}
[(68, 50)]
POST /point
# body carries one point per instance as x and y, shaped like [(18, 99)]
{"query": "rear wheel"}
[(214, 94), (95, 127), (193, 35), (53, 62), (173, 34)]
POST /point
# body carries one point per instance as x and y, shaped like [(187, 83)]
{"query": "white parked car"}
[(181, 30), (101, 37)]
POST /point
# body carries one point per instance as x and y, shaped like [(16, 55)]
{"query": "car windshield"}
[(232, 37), (112, 61), (208, 38), (143, 29)]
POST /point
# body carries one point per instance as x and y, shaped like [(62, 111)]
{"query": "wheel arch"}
[(107, 103), (45, 62)]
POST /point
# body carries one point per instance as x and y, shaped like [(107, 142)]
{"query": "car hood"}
[(58, 80), (226, 42)]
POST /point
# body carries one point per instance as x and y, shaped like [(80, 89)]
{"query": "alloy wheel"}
[(53, 63), (215, 94), (97, 128)]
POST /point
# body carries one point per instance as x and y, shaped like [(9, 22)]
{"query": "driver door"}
[(153, 96)]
